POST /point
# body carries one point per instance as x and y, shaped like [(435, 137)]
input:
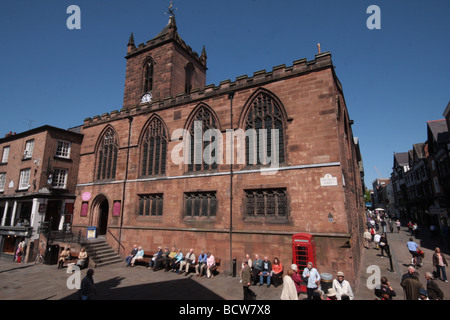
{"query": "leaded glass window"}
[(266, 203), (154, 149), (107, 156), (150, 205), (200, 160), (200, 204), (263, 117)]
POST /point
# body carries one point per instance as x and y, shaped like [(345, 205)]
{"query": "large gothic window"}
[(107, 156), (202, 153), (148, 76), (154, 149), (263, 117)]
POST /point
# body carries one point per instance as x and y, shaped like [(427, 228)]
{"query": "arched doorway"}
[(101, 214)]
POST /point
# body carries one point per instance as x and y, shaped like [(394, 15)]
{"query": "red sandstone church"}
[(299, 201)]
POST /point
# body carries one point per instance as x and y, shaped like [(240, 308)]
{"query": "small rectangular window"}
[(2, 181), (266, 203), (59, 178), (24, 182), (151, 205), (28, 153), (63, 149), (200, 204), (5, 155)]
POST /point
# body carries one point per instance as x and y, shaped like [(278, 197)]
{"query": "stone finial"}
[(203, 56), (131, 41)]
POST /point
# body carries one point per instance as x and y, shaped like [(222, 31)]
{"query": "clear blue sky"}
[(395, 79)]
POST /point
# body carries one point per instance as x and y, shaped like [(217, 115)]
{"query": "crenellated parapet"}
[(259, 78)]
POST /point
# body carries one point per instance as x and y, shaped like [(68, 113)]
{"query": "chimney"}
[(318, 47)]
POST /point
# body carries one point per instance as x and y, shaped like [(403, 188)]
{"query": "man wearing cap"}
[(342, 286), (312, 278)]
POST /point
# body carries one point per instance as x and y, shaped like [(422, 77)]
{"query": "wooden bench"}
[(145, 260), (74, 258), (214, 270)]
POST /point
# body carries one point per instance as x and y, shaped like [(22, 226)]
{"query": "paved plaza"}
[(117, 282)]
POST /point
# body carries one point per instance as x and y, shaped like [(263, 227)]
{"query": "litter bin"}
[(91, 232), (51, 254), (326, 282)]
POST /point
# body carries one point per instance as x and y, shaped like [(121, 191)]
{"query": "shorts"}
[(414, 253)]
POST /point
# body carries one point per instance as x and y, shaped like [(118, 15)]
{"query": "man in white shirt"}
[(188, 260), (342, 287), (313, 279), (376, 239)]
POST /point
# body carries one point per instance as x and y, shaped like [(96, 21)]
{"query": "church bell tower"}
[(163, 67)]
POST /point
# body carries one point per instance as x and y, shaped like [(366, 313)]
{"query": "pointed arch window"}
[(202, 153), (154, 149), (107, 156), (264, 116), (148, 76)]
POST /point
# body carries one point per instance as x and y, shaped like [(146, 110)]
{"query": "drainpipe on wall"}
[(130, 119), (230, 97)]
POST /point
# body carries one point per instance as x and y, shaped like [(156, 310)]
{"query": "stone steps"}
[(102, 252)]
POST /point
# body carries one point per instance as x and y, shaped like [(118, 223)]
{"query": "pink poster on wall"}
[(116, 208), (84, 209)]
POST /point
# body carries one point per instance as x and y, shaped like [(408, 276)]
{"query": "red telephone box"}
[(303, 251)]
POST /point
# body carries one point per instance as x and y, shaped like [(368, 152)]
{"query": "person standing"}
[(296, 278), (385, 292), (412, 286), (342, 286), (367, 239), (439, 262), (398, 224), (376, 239), (87, 288), (391, 225), (246, 282), (312, 278), (433, 290), (383, 245), (289, 287), (249, 262)]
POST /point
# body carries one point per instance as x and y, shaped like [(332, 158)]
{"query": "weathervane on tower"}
[(170, 9)]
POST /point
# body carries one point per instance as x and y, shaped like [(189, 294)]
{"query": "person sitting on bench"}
[(139, 255), (188, 260), (201, 264), (82, 257), (63, 256)]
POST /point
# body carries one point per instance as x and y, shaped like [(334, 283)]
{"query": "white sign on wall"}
[(328, 180)]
